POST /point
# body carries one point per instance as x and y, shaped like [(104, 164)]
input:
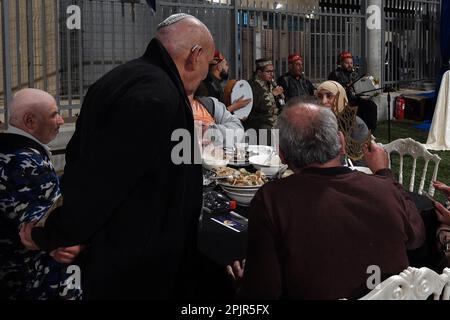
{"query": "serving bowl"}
[(269, 167), (239, 189), (213, 163), (259, 150), (241, 199)]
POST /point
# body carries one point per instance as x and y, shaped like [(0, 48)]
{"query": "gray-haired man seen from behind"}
[(314, 234)]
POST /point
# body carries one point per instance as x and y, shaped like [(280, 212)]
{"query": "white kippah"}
[(173, 19)]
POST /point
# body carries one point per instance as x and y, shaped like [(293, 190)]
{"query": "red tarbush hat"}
[(294, 57), (345, 55), (218, 57)]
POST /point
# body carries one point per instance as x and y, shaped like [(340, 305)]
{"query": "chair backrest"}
[(413, 284), (416, 150)]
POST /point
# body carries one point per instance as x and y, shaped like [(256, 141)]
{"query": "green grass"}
[(405, 129)]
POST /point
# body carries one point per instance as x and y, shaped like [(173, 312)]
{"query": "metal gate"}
[(411, 40), (40, 50), (318, 34)]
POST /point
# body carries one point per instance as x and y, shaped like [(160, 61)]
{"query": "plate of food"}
[(243, 186)]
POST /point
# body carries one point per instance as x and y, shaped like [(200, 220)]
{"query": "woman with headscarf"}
[(355, 128)]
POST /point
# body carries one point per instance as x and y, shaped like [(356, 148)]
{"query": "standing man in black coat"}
[(128, 195)]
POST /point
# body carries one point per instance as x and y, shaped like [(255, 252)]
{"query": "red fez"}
[(345, 55), (294, 57), (218, 57)]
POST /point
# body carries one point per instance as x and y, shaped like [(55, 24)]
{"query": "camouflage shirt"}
[(265, 109), (28, 188)]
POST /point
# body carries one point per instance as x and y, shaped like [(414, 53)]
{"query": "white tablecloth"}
[(439, 135)]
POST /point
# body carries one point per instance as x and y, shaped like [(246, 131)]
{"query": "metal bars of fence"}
[(38, 50), (411, 47)]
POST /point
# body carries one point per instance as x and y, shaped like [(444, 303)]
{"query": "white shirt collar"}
[(15, 130)]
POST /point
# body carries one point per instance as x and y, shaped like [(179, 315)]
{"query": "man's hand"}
[(66, 255), (277, 91), (25, 235), (238, 104), (236, 272), (442, 214), (442, 187), (375, 157)]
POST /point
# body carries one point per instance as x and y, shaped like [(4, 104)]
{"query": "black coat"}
[(295, 87), (123, 196), (345, 78)]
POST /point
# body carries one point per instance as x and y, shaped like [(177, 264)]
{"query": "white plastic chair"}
[(413, 284), (416, 150)]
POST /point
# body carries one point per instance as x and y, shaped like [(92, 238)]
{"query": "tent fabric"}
[(439, 135)]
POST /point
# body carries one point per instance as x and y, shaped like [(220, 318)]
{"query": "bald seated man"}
[(28, 188), (127, 196)]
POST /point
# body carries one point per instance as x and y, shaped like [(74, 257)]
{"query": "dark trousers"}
[(367, 111)]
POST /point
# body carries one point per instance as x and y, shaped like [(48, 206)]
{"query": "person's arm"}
[(110, 167), (442, 213), (227, 124), (238, 104), (224, 119), (37, 186), (378, 161), (442, 187), (262, 274), (33, 186)]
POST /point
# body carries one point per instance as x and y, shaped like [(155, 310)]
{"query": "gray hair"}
[(308, 134)]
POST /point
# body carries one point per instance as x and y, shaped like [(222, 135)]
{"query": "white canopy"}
[(439, 135)]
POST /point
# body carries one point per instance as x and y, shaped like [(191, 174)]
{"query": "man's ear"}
[(194, 57), (342, 150), (29, 121)]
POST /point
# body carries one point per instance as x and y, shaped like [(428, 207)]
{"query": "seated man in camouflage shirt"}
[(28, 188)]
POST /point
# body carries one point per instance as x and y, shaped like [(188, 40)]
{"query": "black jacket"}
[(295, 88), (211, 87), (123, 195), (345, 78)]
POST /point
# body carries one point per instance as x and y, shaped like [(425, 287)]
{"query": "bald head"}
[(28, 100), (191, 46), (308, 135), (181, 32), (35, 112)]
